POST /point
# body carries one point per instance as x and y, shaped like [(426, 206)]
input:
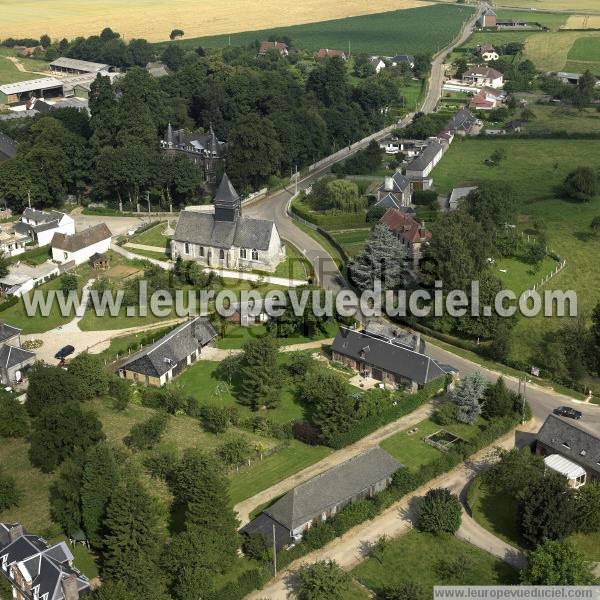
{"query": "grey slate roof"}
[(8, 147), (462, 120), (79, 65), (583, 445), (7, 331), (203, 229), (388, 201), (387, 355), (421, 162), (399, 183), (333, 487), (83, 239), (13, 356), (226, 194), (163, 355), (263, 525), (404, 58)]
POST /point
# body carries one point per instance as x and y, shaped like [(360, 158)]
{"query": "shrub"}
[(215, 419), (120, 391), (9, 494), (439, 512), (161, 461), (446, 414), (14, 420), (319, 535), (148, 433), (404, 481), (353, 514)]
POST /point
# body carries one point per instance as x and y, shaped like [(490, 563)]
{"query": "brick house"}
[(411, 234)]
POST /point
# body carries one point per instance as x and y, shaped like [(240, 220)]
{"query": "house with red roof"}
[(411, 233), (280, 47), (328, 53)]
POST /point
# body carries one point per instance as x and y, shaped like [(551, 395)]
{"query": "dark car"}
[(64, 352), (567, 411)]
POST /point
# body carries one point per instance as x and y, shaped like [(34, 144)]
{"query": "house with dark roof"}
[(160, 362), (36, 570), (418, 170), (14, 360), (386, 360), (395, 192), (577, 444), (323, 496), (204, 150), (410, 233), (225, 239), (80, 247), (41, 225), (463, 122), (403, 59)]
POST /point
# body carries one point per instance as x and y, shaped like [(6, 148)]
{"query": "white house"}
[(483, 76), (12, 243), (21, 277), (225, 239), (377, 63), (418, 169), (41, 226), (79, 247)]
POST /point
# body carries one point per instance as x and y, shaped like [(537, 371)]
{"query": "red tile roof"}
[(405, 226), (328, 53)]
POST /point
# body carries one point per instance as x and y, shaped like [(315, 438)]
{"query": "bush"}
[(446, 414), (215, 419), (424, 197), (147, 434), (161, 461), (439, 512), (14, 420), (353, 514), (320, 534), (405, 481), (9, 494), (120, 391)]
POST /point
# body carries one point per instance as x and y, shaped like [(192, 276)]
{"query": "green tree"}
[(439, 512), (260, 376), (120, 391), (234, 451), (68, 283), (587, 507), (100, 477), (148, 433), (408, 590), (115, 590), (581, 184), (64, 495), (499, 401), (467, 396), (516, 470), (322, 580), (547, 510), (59, 431), (134, 538), (382, 260), (50, 386), (93, 377), (9, 493), (493, 204), (557, 563), (215, 418), (14, 420), (595, 224)]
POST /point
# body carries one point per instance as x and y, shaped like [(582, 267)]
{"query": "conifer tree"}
[(261, 382)]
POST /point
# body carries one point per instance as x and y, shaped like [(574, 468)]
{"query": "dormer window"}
[(566, 445)]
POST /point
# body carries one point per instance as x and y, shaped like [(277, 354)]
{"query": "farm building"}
[(419, 168), (385, 360), (225, 238), (73, 66), (41, 226), (36, 570), (14, 360), (488, 18), (8, 147), (483, 76), (577, 446), (323, 496), (510, 23), (13, 94), (80, 247), (22, 277), (160, 362), (411, 234)]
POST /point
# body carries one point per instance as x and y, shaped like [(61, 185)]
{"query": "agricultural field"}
[(69, 18), (537, 168), (10, 72), (563, 118), (555, 50), (414, 30), (561, 5), (585, 54), (583, 22)]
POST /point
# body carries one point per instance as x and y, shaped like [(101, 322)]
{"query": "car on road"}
[(567, 411)]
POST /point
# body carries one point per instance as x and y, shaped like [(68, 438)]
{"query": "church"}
[(225, 239)]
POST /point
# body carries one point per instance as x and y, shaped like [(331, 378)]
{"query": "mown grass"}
[(352, 240), (414, 30), (153, 236), (420, 558), (563, 118)]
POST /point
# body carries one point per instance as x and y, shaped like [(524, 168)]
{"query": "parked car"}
[(64, 352), (567, 411)]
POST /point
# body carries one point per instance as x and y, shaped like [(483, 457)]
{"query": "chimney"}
[(15, 532), (389, 184), (69, 586)]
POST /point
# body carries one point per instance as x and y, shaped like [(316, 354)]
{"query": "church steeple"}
[(228, 205)]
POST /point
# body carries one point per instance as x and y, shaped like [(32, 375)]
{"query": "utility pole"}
[(148, 200), (523, 401), (274, 553), (29, 198), (296, 181)]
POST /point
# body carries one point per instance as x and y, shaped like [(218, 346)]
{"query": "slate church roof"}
[(572, 441), (163, 355)]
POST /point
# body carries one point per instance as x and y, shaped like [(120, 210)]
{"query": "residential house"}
[(418, 170), (160, 362), (458, 194), (14, 360), (378, 63), (488, 18), (403, 59), (80, 247), (328, 53), (570, 448), (204, 150), (486, 99), (395, 192), (73, 66), (37, 570), (12, 243), (323, 496), (21, 277), (41, 225), (387, 330), (487, 52), (248, 313), (280, 47), (483, 76), (385, 360), (225, 239), (411, 234), (8, 147), (463, 122)]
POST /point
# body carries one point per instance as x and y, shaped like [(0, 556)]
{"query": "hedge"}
[(333, 219), (403, 407)]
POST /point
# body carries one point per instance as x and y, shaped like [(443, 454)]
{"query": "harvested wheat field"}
[(582, 22), (154, 19), (591, 6), (551, 51)]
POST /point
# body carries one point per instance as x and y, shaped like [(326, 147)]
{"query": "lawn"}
[(563, 118), (415, 30), (521, 276), (428, 560), (132, 342), (153, 236), (352, 240), (295, 265), (9, 72), (274, 468), (409, 448), (157, 255), (550, 20)]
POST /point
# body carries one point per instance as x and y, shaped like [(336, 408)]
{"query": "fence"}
[(559, 267)]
